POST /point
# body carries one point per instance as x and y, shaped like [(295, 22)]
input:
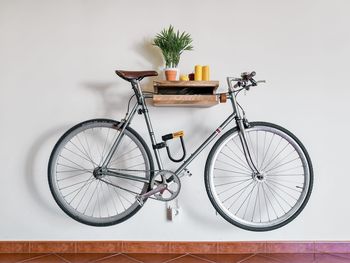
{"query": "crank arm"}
[(158, 189), (126, 176), (140, 198)]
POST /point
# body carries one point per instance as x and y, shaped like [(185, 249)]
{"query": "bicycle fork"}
[(241, 122), (243, 138)]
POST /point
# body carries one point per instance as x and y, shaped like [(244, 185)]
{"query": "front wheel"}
[(267, 200)]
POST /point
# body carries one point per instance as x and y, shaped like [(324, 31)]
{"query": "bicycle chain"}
[(127, 190)]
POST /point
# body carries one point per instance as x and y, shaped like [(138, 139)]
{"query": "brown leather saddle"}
[(135, 75)]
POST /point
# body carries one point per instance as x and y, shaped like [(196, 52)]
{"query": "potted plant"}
[(172, 44)]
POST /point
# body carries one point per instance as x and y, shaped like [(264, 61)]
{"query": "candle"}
[(198, 72), (205, 73)]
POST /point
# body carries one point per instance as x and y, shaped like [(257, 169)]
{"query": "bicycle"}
[(258, 175)]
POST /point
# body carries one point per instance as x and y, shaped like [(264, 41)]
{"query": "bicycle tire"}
[(92, 129), (275, 189)]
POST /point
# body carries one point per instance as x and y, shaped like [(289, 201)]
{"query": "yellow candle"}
[(205, 73), (198, 72)]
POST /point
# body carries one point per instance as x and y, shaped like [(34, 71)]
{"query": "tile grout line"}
[(176, 258), (37, 257), (204, 259), (65, 260), (106, 257), (245, 259), (133, 259)]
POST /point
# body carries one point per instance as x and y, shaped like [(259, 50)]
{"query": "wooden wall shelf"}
[(185, 93)]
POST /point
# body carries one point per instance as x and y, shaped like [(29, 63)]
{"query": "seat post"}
[(135, 84), (142, 102)]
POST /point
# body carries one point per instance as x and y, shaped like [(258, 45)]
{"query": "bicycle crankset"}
[(171, 182)]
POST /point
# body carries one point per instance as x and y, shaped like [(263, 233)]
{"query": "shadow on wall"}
[(36, 179), (153, 56), (113, 98)]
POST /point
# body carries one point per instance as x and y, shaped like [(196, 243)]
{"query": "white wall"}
[(57, 62)]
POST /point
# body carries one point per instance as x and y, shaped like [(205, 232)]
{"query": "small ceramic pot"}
[(171, 74)]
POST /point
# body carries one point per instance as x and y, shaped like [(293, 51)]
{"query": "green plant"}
[(172, 44)]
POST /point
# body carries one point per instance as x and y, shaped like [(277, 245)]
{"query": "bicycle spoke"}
[(232, 182), (238, 147), (235, 161), (270, 202), (230, 188), (244, 187), (272, 181), (251, 145), (123, 154), (231, 171), (247, 197), (104, 147), (128, 159), (117, 195), (72, 176), (279, 188), (271, 191), (85, 151), (75, 184), (241, 193), (87, 205), (87, 157), (132, 166), (96, 144), (273, 153), (283, 199), (278, 154), (286, 175), (275, 167), (91, 179), (263, 150), (256, 198), (267, 150), (73, 162), (73, 169), (111, 196), (231, 165), (267, 209), (242, 162), (81, 199), (286, 170), (88, 146), (285, 157)]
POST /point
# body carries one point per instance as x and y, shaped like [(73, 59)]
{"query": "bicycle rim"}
[(265, 202)]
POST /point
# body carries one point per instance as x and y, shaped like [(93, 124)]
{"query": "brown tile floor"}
[(174, 258)]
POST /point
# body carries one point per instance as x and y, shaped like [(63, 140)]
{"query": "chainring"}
[(172, 182)]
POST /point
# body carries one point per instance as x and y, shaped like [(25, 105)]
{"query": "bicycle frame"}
[(142, 106)]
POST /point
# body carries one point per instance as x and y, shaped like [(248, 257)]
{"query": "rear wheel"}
[(87, 198), (264, 201)]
